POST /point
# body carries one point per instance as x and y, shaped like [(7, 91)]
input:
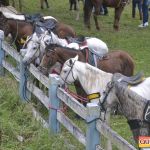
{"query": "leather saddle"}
[(133, 80), (38, 21), (33, 18)]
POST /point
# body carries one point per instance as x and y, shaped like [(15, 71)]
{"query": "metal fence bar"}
[(2, 53)]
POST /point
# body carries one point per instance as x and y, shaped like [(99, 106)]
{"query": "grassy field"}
[(16, 118)]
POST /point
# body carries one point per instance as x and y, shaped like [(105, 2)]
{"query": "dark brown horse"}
[(21, 29), (96, 4), (115, 61)]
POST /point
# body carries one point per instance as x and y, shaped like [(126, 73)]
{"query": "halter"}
[(38, 48), (71, 67), (51, 41), (48, 66), (109, 86)]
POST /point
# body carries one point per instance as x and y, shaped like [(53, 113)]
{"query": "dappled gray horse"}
[(135, 108)]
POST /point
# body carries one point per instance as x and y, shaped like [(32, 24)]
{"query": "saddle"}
[(38, 21), (33, 18), (133, 80)]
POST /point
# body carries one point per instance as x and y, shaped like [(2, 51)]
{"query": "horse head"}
[(68, 72), (32, 48), (131, 104), (108, 99)]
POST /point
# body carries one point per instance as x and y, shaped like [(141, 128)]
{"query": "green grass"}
[(16, 117)]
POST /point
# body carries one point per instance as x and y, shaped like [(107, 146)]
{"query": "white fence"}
[(90, 113)]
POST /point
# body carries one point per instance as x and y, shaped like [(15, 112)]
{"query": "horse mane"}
[(93, 73), (96, 71), (53, 46)]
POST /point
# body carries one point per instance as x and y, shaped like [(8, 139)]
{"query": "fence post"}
[(2, 53), (23, 92), (92, 134), (54, 103)]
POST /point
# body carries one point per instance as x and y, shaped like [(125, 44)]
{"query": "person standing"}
[(145, 14), (139, 4)]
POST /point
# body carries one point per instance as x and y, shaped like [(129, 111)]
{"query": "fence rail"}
[(52, 102)]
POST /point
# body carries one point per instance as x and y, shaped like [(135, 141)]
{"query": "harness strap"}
[(93, 96)]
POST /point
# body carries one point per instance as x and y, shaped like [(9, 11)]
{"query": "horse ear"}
[(76, 58)]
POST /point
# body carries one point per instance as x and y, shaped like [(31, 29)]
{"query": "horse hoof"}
[(97, 28), (116, 28)]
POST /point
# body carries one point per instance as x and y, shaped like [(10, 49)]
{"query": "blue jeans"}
[(145, 11)]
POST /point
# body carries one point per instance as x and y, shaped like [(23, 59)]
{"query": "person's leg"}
[(105, 9), (133, 8), (145, 11), (140, 9)]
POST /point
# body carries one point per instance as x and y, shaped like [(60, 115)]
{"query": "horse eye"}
[(34, 48), (65, 71)]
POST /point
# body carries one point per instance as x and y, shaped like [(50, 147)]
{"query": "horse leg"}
[(87, 14), (118, 12), (96, 20), (41, 2), (46, 2), (78, 11), (70, 2), (75, 5), (13, 3)]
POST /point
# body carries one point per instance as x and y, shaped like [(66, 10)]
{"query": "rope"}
[(63, 109), (76, 96)]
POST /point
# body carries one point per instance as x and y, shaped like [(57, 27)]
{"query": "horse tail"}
[(128, 64)]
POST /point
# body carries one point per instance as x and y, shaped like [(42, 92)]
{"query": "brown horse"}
[(96, 4), (21, 29), (115, 61)]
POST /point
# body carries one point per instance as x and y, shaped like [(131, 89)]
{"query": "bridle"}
[(50, 61), (109, 86), (38, 48), (70, 71)]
